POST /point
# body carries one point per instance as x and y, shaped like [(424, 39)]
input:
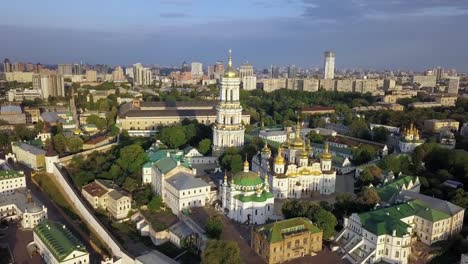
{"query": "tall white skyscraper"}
[(228, 130), (141, 75), (249, 80), (197, 69), (329, 65)]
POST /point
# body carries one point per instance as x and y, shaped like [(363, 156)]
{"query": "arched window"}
[(232, 95), (256, 211)]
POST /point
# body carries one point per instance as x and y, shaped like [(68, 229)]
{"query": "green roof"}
[(385, 220), (249, 178), (253, 197), (59, 240), (166, 159), (274, 232), (10, 174), (387, 191), (334, 149)]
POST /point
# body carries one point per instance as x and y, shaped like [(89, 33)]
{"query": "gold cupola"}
[(326, 155), (279, 160), (230, 72), (266, 149), (304, 154), (297, 142)]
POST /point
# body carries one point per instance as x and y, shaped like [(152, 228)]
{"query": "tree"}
[(359, 128), (130, 184), (190, 132), (380, 134), (156, 203), (204, 146), (324, 219), (100, 123), (142, 197), (221, 252), (24, 133), (363, 154), (368, 196), (131, 158), (214, 227), (74, 144), (315, 137), (173, 137), (60, 143)]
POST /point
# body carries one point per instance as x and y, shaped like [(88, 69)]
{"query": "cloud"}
[(174, 15)]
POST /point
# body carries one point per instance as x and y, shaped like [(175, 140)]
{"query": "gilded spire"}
[(246, 164), (326, 155), (279, 160), (230, 72), (225, 176)]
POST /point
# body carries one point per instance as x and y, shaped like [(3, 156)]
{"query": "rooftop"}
[(58, 239), (20, 198), (94, 189), (184, 181), (10, 174), (30, 148), (389, 190), (253, 197), (275, 232)]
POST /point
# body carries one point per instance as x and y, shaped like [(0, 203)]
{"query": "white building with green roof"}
[(56, 244), (11, 180), (387, 234), (247, 197)]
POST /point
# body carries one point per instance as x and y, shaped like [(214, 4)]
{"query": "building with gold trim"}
[(296, 172), (409, 139), (286, 240)]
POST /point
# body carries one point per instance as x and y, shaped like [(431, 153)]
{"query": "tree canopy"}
[(221, 252)]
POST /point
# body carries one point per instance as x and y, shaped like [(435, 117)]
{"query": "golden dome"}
[(279, 160), (326, 155), (265, 148), (230, 72), (297, 142), (304, 154), (246, 163)]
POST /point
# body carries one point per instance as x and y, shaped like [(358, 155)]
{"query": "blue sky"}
[(382, 34)]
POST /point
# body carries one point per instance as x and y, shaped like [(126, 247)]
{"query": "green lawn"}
[(48, 186)]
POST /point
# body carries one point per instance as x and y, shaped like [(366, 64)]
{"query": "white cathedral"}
[(295, 172), (228, 130)]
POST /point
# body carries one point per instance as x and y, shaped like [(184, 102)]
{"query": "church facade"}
[(247, 198), (295, 172), (228, 130)]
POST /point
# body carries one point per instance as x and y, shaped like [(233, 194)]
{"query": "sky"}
[(370, 34)]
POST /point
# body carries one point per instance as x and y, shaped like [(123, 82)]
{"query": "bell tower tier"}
[(228, 130)]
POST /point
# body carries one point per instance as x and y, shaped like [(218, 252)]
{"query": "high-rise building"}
[(50, 85), (329, 65), (7, 65), (292, 71), (185, 67), (129, 72), (118, 74), (29, 67), (211, 71), (439, 73), (65, 69), (77, 70), (218, 69), (246, 70), (91, 75), (141, 75), (275, 72), (249, 81), (453, 84), (39, 68), (197, 69), (228, 130)]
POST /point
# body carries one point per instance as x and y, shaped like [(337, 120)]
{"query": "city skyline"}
[(364, 33)]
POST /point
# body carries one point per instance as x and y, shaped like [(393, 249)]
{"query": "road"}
[(54, 214)]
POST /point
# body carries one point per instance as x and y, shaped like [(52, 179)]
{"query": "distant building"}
[(141, 75), (91, 75), (277, 135), (118, 74), (50, 85), (389, 84), (12, 114), (33, 115), (18, 95), (248, 79), (329, 65), (197, 69), (453, 84), (56, 244), (65, 69), (108, 196), (7, 65), (292, 71), (17, 76), (286, 240), (11, 180), (439, 125), (424, 81), (317, 110)]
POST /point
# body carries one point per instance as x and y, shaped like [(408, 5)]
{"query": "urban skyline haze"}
[(378, 34)]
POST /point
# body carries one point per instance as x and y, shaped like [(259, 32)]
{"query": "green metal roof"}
[(334, 149), (253, 197), (59, 240), (249, 178), (274, 232), (166, 159), (385, 220), (10, 174), (387, 191)]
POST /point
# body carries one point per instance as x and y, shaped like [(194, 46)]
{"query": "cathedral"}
[(409, 139), (295, 172), (247, 198), (228, 130)]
